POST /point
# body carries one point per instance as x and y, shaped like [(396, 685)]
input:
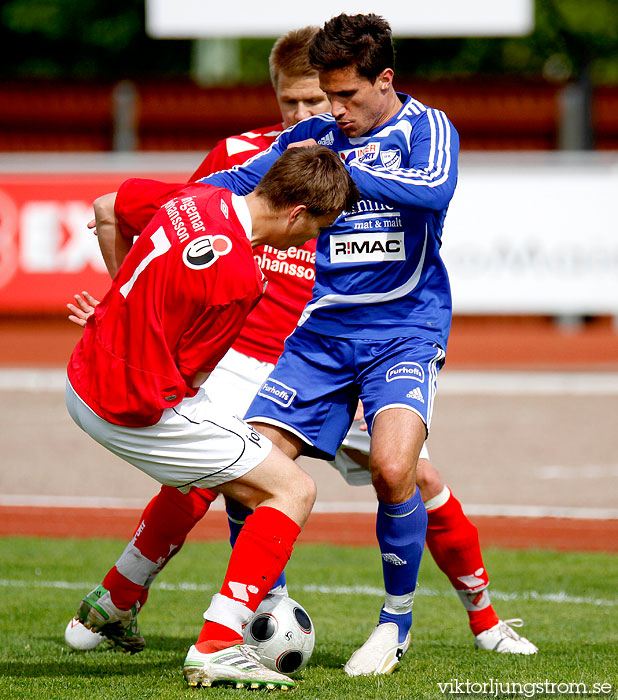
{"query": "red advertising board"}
[(47, 253)]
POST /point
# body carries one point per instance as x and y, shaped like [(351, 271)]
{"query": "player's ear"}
[(296, 212), (385, 79)]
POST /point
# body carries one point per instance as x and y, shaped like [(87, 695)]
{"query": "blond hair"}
[(290, 55)]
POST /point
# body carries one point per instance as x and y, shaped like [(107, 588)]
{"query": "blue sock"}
[(236, 519), (401, 530)]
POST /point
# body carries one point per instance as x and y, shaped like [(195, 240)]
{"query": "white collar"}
[(243, 213)]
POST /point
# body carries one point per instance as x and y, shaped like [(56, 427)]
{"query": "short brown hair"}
[(313, 176), (364, 41), (290, 55)]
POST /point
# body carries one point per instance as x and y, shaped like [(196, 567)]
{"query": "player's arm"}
[(113, 244), (123, 215), (429, 178), (242, 179)]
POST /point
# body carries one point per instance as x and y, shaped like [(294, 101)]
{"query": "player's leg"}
[(397, 437), (397, 394), (164, 524), (280, 495), (196, 445), (451, 538), (162, 529), (454, 544), (237, 515), (232, 385), (112, 607)]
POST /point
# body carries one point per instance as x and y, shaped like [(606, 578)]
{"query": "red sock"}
[(163, 527), (454, 544), (260, 554), (125, 594)]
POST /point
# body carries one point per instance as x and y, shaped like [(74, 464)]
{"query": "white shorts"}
[(237, 378), (196, 443)]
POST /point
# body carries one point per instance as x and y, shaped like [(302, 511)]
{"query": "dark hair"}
[(290, 55), (364, 41), (313, 176)]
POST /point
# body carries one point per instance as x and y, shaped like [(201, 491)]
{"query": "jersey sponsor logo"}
[(362, 154), (416, 394), (273, 260), (391, 159), (367, 247), (277, 392), (367, 207), (327, 140), (405, 370), (204, 251)]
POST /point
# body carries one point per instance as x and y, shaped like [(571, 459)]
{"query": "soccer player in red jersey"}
[(179, 297)]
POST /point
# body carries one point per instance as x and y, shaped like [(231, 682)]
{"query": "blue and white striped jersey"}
[(378, 268)]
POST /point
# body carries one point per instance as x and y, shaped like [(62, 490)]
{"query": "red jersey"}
[(235, 150), (174, 308), (290, 273)]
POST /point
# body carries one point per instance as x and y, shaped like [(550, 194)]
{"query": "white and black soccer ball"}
[(282, 634)]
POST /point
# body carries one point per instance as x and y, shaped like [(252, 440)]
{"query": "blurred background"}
[(90, 93), (95, 92)]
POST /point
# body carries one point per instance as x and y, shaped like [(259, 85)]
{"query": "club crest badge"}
[(391, 159)]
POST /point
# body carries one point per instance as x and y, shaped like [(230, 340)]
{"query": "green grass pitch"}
[(568, 600)]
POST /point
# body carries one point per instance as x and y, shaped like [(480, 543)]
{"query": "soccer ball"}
[(282, 634)]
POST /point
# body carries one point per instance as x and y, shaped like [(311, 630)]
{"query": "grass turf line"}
[(578, 641)]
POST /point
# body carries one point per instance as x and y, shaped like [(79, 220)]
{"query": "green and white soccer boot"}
[(98, 614)]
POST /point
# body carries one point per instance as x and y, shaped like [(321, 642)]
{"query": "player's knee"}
[(428, 479), (307, 492), (394, 482), (299, 497), (298, 489)]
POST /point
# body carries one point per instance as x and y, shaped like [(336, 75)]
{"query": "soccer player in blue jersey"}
[(377, 326)]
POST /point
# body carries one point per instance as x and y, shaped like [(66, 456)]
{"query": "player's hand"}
[(303, 144), (93, 225), (360, 414), (83, 308)]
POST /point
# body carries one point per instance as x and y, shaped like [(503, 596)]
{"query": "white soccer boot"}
[(238, 666), (80, 638), (380, 654), (99, 614), (503, 639)]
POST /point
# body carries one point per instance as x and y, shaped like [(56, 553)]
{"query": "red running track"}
[(349, 529)]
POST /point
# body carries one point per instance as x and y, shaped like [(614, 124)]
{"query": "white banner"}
[(534, 234), (194, 19)]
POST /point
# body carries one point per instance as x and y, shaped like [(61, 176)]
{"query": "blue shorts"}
[(314, 389)]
